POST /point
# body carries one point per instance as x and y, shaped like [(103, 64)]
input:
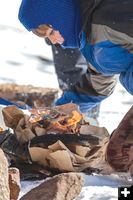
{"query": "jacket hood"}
[(63, 15)]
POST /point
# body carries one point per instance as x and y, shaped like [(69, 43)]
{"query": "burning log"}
[(55, 120), (44, 121)]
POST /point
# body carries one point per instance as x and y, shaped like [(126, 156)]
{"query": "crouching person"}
[(119, 152)]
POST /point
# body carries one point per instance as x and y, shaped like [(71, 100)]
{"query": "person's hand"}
[(85, 102), (63, 99), (49, 32), (54, 36)]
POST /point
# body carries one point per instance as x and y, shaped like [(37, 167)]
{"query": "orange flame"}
[(65, 123), (70, 122)]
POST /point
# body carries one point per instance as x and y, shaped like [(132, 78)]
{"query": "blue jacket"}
[(110, 58), (108, 49)]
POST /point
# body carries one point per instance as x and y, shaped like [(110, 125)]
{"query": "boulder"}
[(4, 186), (65, 186)]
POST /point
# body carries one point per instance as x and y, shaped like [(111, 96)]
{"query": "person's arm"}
[(89, 91), (69, 66)]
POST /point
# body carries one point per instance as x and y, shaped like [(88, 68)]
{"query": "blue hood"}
[(63, 15)]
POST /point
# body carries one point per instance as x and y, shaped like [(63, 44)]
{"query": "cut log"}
[(28, 94), (73, 139)]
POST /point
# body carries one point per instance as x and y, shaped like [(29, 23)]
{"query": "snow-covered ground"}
[(21, 63)]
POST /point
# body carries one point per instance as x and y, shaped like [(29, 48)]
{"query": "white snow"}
[(20, 64)]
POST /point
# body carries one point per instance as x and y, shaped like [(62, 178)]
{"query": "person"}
[(69, 66), (101, 29)]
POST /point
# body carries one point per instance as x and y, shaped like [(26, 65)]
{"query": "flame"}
[(70, 123), (1, 129), (76, 117), (61, 123)]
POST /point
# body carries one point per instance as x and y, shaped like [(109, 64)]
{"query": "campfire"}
[(53, 137), (57, 121)]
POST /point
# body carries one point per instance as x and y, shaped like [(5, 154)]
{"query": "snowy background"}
[(22, 62)]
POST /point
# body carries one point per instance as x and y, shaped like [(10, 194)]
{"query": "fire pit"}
[(56, 138)]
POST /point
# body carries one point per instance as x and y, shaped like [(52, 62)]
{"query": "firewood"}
[(73, 139)]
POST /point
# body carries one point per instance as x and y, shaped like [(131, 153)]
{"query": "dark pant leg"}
[(69, 67)]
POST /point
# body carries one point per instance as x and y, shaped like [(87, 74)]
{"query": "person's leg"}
[(69, 66)]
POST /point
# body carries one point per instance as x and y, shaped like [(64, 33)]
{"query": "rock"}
[(28, 94), (14, 183), (66, 186), (4, 186)]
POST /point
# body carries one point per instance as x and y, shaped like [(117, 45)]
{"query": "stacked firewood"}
[(57, 138)]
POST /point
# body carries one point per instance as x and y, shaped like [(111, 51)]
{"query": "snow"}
[(96, 187), (20, 52)]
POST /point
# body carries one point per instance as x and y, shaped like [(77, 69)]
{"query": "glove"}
[(126, 79), (85, 102)]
